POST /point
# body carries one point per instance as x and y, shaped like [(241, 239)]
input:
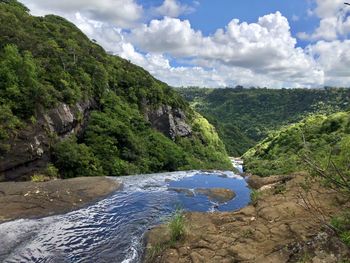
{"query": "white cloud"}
[(334, 58), (266, 47), (173, 8), (334, 21), (262, 53), (121, 13)]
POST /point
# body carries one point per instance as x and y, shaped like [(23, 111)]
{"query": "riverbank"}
[(285, 223), (34, 200)]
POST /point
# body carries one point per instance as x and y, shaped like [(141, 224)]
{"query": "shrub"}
[(38, 178), (73, 159), (341, 224)]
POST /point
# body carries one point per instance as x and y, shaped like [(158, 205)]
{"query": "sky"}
[(206, 43)]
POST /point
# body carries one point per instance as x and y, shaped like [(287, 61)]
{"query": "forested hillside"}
[(243, 117), (87, 112), (320, 138)]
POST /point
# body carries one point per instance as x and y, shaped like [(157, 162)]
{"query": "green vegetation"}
[(176, 226), (322, 139), (51, 172), (255, 195), (342, 226), (176, 231), (243, 117), (45, 61)]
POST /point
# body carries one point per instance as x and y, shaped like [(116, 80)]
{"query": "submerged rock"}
[(220, 195), (187, 192)]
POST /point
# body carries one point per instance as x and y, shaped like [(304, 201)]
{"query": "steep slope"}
[(321, 138), (64, 100), (245, 116)]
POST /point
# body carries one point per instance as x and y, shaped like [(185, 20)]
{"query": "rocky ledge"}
[(33, 200), (283, 225)]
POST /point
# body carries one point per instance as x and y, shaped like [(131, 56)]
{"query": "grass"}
[(255, 196), (176, 229), (38, 178), (176, 226)]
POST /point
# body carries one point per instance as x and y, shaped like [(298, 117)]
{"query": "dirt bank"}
[(32, 200), (278, 228)]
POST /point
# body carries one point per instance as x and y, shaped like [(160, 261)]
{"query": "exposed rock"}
[(29, 150), (279, 228), (187, 192), (220, 195), (170, 121), (29, 199), (256, 182)]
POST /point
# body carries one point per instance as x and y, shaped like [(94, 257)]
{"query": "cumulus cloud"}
[(334, 21), (266, 47), (334, 58), (263, 53), (173, 8), (121, 13)]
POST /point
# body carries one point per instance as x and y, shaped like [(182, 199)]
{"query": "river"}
[(112, 230)]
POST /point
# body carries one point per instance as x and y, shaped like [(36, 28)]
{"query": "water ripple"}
[(112, 229)]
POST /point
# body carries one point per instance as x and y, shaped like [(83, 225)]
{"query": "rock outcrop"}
[(33, 200), (283, 226), (30, 148), (219, 195), (169, 121)]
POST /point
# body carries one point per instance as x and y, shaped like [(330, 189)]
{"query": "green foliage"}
[(243, 117), (74, 159), (342, 226), (324, 138), (38, 178), (255, 195), (176, 226), (45, 61), (51, 171)]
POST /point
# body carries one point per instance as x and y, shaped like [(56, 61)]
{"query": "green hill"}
[(245, 116), (64, 100), (319, 138)]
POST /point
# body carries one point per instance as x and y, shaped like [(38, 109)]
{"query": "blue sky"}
[(208, 15), (275, 43)]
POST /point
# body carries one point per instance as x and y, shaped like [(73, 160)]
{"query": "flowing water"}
[(112, 230)]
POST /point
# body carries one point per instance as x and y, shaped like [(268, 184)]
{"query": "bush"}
[(73, 159), (39, 178)]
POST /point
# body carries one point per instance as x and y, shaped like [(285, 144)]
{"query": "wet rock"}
[(220, 195), (186, 192)]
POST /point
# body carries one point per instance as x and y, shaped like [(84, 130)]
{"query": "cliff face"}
[(30, 148), (169, 121)]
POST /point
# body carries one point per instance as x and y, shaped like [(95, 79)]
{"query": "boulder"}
[(220, 195)]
